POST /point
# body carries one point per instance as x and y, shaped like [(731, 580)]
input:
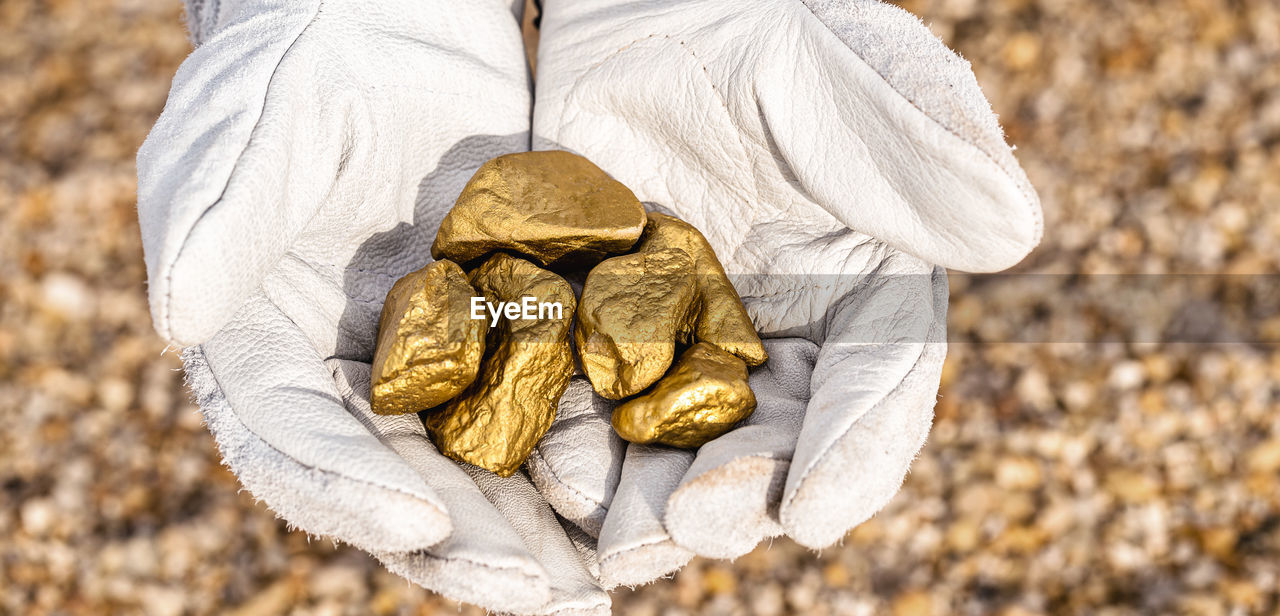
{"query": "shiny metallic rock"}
[(722, 319), (703, 396), (496, 422), (428, 348), (635, 309), (556, 207)]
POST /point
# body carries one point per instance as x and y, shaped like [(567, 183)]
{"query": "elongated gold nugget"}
[(703, 396), (496, 422), (636, 307), (554, 206), (428, 348)]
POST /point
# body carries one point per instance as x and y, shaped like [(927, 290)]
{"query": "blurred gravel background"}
[(1059, 478)]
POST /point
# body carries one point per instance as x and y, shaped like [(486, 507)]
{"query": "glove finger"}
[(303, 132), (874, 387), (751, 105), (728, 500), (578, 462), (474, 564), (634, 546), (587, 546), (507, 552), (574, 590), (282, 429), (912, 128), (234, 156)]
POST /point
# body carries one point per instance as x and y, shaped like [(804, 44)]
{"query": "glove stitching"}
[(1029, 198), (167, 313), (706, 73), (636, 547), (425, 554), (597, 504)]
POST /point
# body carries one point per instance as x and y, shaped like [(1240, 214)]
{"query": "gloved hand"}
[(838, 157), (302, 164)]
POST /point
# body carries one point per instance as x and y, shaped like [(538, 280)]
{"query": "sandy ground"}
[(1060, 477)]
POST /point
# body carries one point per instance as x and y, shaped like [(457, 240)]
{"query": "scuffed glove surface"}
[(838, 157), (305, 157)]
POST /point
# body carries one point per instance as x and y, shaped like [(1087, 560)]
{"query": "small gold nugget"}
[(555, 207), (429, 349), (703, 396), (496, 422), (636, 307)]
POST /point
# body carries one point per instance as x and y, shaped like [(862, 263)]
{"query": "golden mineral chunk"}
[(554, 206), (722, 319), (636, 307), (429, 349), (495, 423), (703, 396)]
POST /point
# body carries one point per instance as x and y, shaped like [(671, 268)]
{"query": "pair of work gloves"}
[(836, 155)]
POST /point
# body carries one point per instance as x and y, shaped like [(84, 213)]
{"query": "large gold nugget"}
[(634, 309), (556, 207), (429, 349), (722, 319), (705, 394), (495, 423)]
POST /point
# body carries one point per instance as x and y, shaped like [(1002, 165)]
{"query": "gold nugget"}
[(722, 319), (705, 394), (636, 307), (495, 423), (428, 348), (555, 207)]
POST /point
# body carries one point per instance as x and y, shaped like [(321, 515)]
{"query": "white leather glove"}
[(837, 156), (305, 157)]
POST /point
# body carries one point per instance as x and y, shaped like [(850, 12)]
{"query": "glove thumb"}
[(895, 119), (227, 177)]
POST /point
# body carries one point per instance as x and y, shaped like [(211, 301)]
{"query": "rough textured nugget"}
[(496, 422), (636, 307), (428, 348), (703, 396), (722, 319), (555, 207)]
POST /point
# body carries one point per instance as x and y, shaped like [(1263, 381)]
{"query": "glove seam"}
[(1029, 198), (166, 316), (556, 477), (706, 74), (638, 546), (527, 577)]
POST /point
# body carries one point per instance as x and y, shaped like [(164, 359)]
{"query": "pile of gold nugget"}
[(479, 340)]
